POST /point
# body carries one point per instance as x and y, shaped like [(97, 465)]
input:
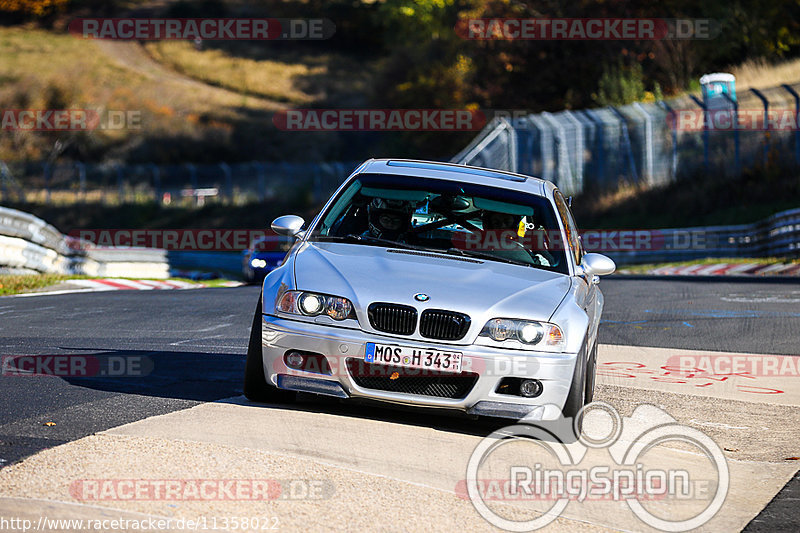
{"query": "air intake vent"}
[(411, 380), (393, 318), (443, 325)]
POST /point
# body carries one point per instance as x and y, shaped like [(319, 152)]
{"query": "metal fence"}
[(645, 143), (173, 184)]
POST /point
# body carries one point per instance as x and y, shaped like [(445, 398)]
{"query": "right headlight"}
[(314, 304), (522, 335)]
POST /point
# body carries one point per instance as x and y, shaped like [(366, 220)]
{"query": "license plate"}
[(406, 357)]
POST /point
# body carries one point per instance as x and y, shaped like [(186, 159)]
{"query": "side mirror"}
[(597, 265), (290, 225)]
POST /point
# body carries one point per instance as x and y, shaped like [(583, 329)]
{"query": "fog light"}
[(294, 360), (530, 388)]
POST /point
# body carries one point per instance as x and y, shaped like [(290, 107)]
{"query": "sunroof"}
[(497, 174)]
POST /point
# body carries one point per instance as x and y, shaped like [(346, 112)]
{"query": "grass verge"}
[(19, 283), (23, 283)]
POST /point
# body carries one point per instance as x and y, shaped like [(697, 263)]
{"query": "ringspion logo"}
[(551, 474)]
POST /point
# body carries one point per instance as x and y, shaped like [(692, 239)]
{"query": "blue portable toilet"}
[(715, 86)]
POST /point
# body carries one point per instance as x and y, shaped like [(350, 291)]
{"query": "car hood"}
[(482, 289)]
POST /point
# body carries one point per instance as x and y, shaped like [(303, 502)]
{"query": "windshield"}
[(478, 221)]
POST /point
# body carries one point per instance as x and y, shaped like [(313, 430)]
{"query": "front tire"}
[(256, 388), (591, 373), (578, 391)]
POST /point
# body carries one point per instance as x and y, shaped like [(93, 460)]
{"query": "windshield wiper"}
[(485, 255), (367, 239)]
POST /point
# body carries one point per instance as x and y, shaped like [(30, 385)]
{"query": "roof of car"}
[(452, 171)]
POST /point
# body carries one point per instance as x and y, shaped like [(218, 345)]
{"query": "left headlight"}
[(314, 304), (522, 335)]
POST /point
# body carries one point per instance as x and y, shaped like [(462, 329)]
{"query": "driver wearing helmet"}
[(501, 228), (388, 219)]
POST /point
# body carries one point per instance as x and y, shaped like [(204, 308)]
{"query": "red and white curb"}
[(729, 269), (116, 284), (134, 284)]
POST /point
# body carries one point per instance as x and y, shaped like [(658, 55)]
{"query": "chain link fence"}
[(67, 183), (645, 143)]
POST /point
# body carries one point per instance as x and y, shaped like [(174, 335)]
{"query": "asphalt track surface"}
[(192, 345)]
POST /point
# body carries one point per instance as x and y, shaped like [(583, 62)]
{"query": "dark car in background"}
[(264, 255)]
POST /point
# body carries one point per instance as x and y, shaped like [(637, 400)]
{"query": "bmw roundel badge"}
[(421, 297)]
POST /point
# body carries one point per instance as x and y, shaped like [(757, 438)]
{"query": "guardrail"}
[(29, 244), (775, 236)]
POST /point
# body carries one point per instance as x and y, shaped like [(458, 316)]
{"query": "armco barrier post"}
[(764, 101), (706, 134), (649, 155), (673, 124), (735, 122), (796, 97)]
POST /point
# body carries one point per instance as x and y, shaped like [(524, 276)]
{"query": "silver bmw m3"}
[(433, 285)]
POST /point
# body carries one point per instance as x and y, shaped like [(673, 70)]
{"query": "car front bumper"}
[(491, 365)]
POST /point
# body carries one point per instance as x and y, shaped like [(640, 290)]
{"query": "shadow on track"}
[(208, 377)]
